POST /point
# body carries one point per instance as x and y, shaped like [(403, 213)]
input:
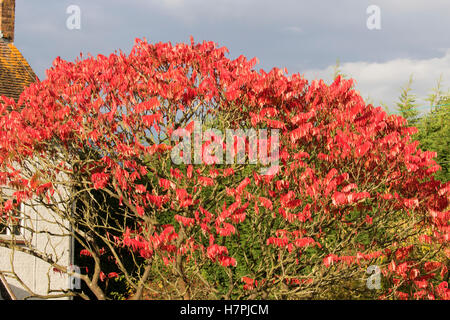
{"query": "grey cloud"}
[(298, 35)]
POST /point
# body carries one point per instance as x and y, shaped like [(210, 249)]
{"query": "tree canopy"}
[(93, 144)]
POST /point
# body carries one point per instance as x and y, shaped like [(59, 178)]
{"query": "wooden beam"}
[(4, 284)]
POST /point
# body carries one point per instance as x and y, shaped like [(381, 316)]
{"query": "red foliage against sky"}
[(338, 156)]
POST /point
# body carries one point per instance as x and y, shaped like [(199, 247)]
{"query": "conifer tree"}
[(407, 104)]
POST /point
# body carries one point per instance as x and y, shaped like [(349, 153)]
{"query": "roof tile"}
[(15, 72)]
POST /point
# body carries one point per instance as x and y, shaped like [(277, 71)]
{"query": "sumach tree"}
[(92, 144)]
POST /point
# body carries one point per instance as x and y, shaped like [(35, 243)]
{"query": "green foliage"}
[(434, 135), (337, 70), (406, 105), (433, 125)]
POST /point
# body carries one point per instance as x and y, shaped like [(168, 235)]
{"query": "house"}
[(22, 274), (15, 72)]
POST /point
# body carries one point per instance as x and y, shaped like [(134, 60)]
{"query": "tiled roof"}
[(15, 72)]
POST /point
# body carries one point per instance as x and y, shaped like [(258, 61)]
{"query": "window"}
[(11, 223)]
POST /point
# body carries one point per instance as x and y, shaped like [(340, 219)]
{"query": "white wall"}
[(38, 275)]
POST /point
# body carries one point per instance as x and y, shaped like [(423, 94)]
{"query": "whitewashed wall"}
[(36, 274)]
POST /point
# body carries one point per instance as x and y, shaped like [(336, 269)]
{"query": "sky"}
[(306, 37)]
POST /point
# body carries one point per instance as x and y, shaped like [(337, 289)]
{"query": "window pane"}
[(2, 228), (15, 229), (12, 224)]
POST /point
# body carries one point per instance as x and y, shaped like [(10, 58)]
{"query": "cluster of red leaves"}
[(337, 154)]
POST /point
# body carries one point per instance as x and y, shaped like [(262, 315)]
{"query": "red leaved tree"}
[(93, 144)]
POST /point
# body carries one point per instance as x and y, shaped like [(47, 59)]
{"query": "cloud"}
[(197, 11), (170, 4), (414, 5), (298, 35), (293, 29), (383, 81)]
